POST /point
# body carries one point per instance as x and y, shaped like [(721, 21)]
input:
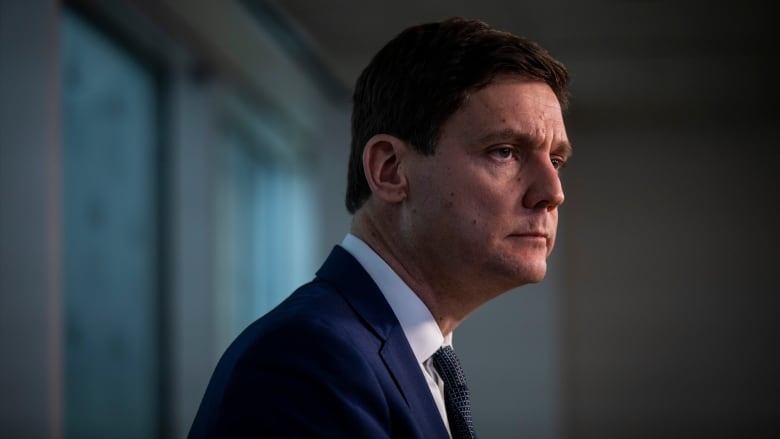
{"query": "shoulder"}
[(310, 352), (316, 312)]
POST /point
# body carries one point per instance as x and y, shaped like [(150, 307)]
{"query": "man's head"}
[(458, 138), (420, 78)]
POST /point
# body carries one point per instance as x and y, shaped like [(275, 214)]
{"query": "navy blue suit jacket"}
[(329, 361)]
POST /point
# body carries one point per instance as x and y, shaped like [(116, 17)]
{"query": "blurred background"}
[(170, 170)]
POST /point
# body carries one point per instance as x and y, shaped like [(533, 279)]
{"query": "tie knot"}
[(448, 365)]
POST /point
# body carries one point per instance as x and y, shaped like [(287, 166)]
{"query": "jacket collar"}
[(349, 278)]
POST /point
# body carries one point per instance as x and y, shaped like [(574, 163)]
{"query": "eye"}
[(503, 153), (558, 162)]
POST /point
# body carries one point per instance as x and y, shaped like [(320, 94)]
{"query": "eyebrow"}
[(563, 148)]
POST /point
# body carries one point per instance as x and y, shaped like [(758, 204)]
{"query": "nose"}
[(544, 189)]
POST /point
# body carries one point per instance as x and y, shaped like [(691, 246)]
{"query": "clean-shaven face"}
[(484, 208)]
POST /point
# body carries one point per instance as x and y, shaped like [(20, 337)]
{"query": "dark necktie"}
[(456, 393)]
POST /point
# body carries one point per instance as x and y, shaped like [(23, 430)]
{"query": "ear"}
[(382, 164)]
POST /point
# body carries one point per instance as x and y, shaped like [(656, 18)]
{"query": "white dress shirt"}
[(418, 324)]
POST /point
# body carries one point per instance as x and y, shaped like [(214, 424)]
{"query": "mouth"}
[(531, 236)]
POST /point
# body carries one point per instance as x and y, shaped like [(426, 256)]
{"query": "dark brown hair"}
[(421, 77)]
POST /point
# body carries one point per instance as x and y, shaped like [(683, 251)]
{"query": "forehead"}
[(513, 96), (509, 110)]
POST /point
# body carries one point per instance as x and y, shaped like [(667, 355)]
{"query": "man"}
[(453, 183)]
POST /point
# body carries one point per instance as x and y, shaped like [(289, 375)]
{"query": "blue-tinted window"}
[(110, 237), (267, 226)]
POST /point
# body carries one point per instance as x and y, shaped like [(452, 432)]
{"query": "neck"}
[(449, 299)]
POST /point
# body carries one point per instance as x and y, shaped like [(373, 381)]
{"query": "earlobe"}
[(383, 165)]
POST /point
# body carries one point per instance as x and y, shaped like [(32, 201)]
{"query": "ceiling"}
[(620, 53)]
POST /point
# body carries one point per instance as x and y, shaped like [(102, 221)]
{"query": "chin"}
[(535, 279), (533, 273), (521, 275), (519, 269)]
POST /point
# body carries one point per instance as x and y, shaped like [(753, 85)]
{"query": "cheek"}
[(469, 203), (553, 227), (482, 215), (492, 206)]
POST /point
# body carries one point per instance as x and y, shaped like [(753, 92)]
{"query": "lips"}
[(531, 235), (539, 234)]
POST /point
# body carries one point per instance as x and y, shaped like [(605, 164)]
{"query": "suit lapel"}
[(359, 290), (397, 355)]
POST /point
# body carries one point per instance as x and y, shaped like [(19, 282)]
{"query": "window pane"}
[(110, 238), (266, 230)]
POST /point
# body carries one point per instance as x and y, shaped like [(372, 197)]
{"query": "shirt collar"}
[(418, 324)]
